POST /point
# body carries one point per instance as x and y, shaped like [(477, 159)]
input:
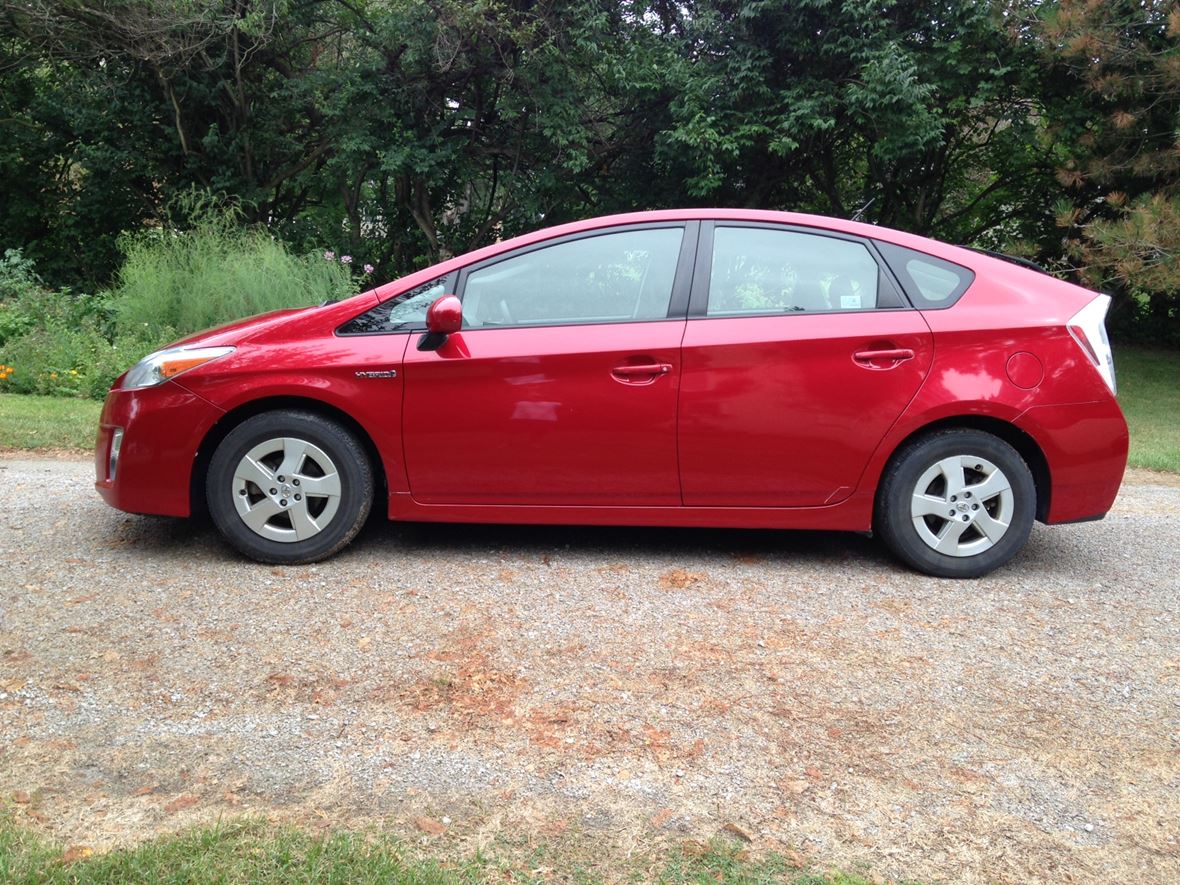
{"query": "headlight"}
[(158, 367)]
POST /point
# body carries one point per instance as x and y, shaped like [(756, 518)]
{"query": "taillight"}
[(1088, 328)]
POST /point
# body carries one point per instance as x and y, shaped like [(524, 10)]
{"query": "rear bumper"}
[(1086, 447), (162, 429)]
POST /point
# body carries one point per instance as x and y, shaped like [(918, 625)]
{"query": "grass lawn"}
[(47, 422), (256, 852), (1149, 391)]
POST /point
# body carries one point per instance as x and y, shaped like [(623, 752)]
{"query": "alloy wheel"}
[(286, 489), (962, 505)]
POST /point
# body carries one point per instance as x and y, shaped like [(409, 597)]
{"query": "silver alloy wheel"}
[(286, 489), (962, 505)]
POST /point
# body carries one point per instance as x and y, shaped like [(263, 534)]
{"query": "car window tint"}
[(609, 278), (405, 311), (931, 282), (758, 271)]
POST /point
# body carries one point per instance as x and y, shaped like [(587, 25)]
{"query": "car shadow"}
[(382, 539), (748, 545)]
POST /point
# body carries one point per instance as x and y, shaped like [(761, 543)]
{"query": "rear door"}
[(561, 388), (799, 354)]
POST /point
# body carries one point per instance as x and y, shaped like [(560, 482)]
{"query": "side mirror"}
[(444, 317)]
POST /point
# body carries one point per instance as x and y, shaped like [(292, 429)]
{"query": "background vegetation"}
[(170, 164)]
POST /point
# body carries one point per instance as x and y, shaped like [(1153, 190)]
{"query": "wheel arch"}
[(234, 417), (1025, 446)]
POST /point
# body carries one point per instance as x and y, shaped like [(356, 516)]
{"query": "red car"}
[(678, 368)]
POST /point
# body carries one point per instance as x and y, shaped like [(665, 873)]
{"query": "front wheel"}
[(289, 487), (956, 504)]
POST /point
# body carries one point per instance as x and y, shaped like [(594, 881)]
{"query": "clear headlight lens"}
[(158, 367)]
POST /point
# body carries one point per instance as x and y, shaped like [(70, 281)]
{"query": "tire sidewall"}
[(340, 445), (895, 523)]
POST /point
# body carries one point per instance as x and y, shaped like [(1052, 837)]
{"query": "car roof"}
[(957, 254)]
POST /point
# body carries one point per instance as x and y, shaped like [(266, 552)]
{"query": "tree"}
[(915, 113), (1113, 101)]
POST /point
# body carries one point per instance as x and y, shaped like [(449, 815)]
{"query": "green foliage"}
[(1112, 98), (172, 284), (58, 359), (402, 131), (183, 281)]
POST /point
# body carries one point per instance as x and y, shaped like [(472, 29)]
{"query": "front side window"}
[(763, 271), (608, 278), (398, 314)]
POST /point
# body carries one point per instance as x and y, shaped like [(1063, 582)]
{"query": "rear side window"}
[(931, 283), (765, 271)]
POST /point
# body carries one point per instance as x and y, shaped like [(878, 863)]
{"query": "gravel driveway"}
[(616, 688)]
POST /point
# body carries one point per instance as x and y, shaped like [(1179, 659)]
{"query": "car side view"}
[(715, 368)]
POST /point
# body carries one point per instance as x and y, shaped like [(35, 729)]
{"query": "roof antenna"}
[(859, 213)]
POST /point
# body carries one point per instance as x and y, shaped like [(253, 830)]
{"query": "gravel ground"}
[(621, 688)]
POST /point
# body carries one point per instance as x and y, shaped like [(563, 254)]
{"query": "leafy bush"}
[(60, 360), (174, 282), (16, 275), (214, 273), (18, 285)]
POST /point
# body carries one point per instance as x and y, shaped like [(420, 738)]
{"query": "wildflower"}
[(73, 371), (346, 259), (369, 268), (329, 255), (53, 375)]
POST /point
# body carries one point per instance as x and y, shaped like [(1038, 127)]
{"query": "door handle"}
[(649, 369), (896, 355), (645, 373)]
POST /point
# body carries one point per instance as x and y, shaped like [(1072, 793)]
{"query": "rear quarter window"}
[(932, 283)]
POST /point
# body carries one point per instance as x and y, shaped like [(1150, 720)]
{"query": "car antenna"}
[(859, 213)]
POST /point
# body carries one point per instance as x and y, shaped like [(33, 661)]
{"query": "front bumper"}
[(1086, 447), (162, 429)]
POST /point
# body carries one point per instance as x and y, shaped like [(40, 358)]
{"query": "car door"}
[(561, 387), (799, 354)]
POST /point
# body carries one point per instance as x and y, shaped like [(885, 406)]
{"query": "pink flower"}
[(346, 259), (329, 256), (369, 268)]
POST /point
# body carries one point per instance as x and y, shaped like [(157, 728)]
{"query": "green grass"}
[(47, 422), (256, 852), (1149, 392)]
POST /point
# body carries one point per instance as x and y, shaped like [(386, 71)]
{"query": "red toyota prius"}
[(678, 368)]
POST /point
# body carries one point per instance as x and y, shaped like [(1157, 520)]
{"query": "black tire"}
[(911, 538), (335, 518)]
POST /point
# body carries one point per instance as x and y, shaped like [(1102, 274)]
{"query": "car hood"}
[(241, 330)]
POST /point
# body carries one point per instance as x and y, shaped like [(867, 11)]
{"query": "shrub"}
[(173, 283), (19, 285), (60, 360), (214, 273)]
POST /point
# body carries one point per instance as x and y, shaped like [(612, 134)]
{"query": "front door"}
[(561, 388)]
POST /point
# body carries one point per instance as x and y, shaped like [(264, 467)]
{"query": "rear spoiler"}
[(1012, 259)]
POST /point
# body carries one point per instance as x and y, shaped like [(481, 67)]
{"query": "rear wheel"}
[(289, 487), (956, 504)]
